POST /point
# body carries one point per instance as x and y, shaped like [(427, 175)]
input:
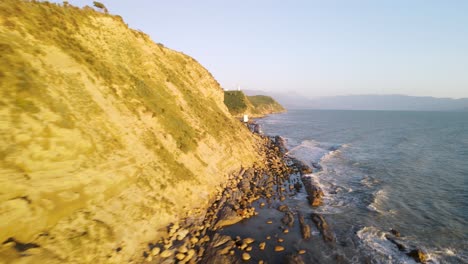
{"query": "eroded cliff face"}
[(105, 136)]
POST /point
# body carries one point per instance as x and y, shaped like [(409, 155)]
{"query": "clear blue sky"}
[(316, 48)]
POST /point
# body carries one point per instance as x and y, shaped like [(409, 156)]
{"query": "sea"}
[(383, 170)]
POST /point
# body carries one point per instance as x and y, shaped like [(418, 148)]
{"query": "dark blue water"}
[(382, 170)]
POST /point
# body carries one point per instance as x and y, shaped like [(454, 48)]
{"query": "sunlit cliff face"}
[(105, 136)]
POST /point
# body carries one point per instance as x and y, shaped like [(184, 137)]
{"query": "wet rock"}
[(181, 234), (182, 249), (418, 255), (294, 259), (323, 227), (219, 240), (395, 232), (400, 246), (283, 208), (227, 216), (305, 228), (262, 245), (166, 253), (180, 256), (288, 219), (155, 251), (315, 193), (279, 248), (190, 255), (297, 186), (248, 240)]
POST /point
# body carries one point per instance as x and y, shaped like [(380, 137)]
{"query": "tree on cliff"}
[(100, 6)]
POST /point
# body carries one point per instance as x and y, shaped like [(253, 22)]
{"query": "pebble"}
[(279, 248), (248, 249), (155, 251), (261, 262), (190, 254), (302, 251), (280, 240), (269, 222), (248, 240), (149, 258), (286, 231), (262, 245), (268, 237), (180, 256), (243, 246), (166, 253), (183, 249), (245, 256), (262, 204), (193, 240)]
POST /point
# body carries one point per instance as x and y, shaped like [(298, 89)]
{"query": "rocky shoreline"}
[(214, 236), (199, 238)]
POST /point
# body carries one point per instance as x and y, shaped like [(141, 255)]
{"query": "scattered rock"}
[(301, 252), (288, 219), (294, 259), (323, 227), (279, 248), (248, 240), (166, 253), (305, 228), (280, 240), (220, 240), (181, 234), (395, 232), (155, 251), (314, 192), (286, 231), (262, 245), (269, 222), (180, 256), (182, 249), (248, 249), (418, 255), (245, 256), (283, 208)]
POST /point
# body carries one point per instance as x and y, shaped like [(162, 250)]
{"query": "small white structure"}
[(246, 118)]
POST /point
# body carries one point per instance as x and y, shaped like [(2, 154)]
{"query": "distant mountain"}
[(371, 102)]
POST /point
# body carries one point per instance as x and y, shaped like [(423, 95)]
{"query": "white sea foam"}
[(374, 239), (379, 197)]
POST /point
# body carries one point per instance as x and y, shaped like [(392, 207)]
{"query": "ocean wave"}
[(379, 197), (375, 243), (379, 247)]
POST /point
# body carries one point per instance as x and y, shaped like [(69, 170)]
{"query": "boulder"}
[(288, 219), (305, 228), (323, 227), (418, 255)]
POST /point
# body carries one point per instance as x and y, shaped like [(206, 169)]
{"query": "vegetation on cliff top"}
[(258, 105)]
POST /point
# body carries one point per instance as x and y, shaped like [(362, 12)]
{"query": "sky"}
[(315, 48)]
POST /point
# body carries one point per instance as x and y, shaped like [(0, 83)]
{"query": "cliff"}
[(256, 106), (105, 136)]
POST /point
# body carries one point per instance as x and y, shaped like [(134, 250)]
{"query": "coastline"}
[(263, 190), (257, 217)]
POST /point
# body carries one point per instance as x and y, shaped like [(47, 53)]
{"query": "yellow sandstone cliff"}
[(105, 136)]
